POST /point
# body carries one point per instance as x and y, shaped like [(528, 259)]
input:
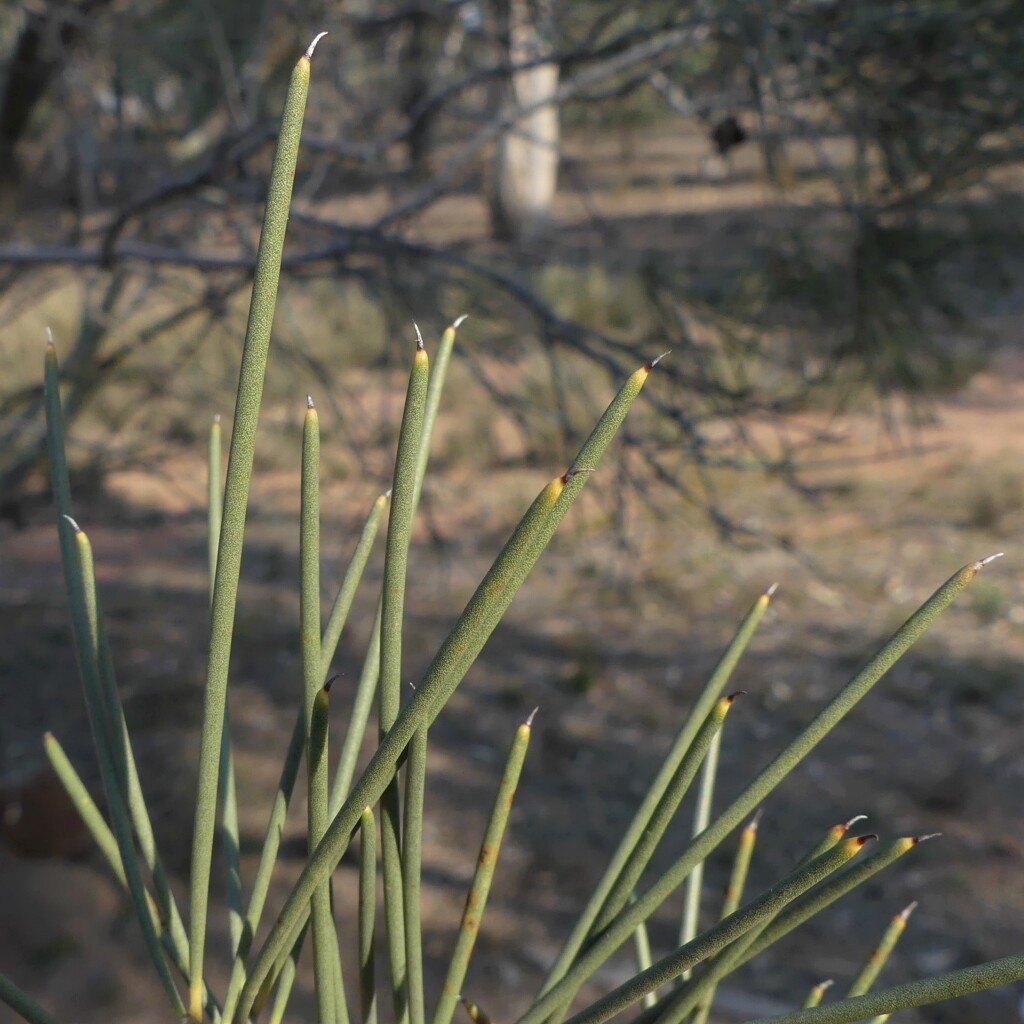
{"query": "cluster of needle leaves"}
[(382, 806)]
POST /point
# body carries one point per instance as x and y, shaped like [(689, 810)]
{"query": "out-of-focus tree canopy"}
[(135, 141)]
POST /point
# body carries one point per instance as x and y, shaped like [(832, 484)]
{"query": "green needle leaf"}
[(412, 857), (367, 916), (22, 1004), (826, 719), (449, 666), (480, 886), (390, 687), (733, 895), (698, 714), (236, 496), (699, 990), (870, 971), (951, 985), (95, 669), (716, 938), (816, 994)]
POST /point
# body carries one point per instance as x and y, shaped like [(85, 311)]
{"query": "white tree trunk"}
[(526, 176)]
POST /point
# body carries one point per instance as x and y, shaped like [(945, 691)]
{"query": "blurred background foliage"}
[(807, 201)]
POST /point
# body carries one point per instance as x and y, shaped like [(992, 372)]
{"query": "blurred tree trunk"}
[(418, 60), (527, 162), (40, 55)]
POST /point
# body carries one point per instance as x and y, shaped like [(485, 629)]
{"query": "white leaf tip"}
[(991, 558), (312, 46)]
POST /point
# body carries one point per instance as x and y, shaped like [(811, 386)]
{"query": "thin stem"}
[(480, 886), (106, 716), (951, 985), (316, 706), (701, 818), (358, 719), (23, 1004), (125, 765), (90, 814), (717, 937), (228, 790), (174, 941), (880, 954), (350, 584), (214, 498), (416, 765), (623, 889), (814, 902), (699, 990), (642, 952), (755, 794), (412, 857), (268, 858), (664, 813), (325, 939), (236, 496), (368, 679), (390, 687), (446, 671), (438, 376), (367, 916), (701, 709), (677, 1007), (286, 980), (85, 625), (731, 901), (229, 837)]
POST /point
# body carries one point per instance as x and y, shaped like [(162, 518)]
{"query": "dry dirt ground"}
[(611, 637)]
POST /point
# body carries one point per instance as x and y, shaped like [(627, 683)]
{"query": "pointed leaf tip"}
[(869, 838), (755, 821), (529, 718), (49, 336), (330, 682), (570, 473), (459, 321), (312, 46), (216, 420), (74, 525), (770, 592), (309, 402), (657, 359), (736, 693), (924, 839), (387, 494), (908, 910), (824, 985), (991, 558), (419, 337), (853, 821)]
